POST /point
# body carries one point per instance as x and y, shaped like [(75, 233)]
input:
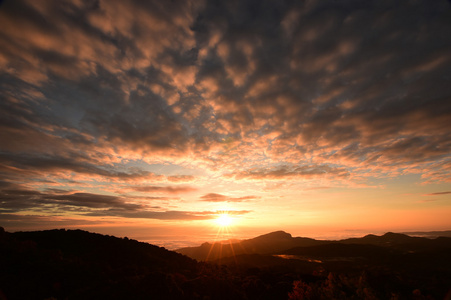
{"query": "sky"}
[(149, 119)]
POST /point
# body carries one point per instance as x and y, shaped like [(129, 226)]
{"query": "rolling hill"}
[(270, 243), (280, 242), (75, 264)]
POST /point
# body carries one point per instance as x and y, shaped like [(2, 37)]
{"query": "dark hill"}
[(95, 248), (401, 242), (339, 250), (271, 243), (279, 242), (75, 264), (388, 239), (430, 234)]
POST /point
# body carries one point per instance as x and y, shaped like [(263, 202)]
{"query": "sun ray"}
[(224, 220)]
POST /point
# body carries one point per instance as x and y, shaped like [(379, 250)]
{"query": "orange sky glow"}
[(149, 119)]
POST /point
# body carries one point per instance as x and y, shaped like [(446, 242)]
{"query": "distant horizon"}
[(173, 242)]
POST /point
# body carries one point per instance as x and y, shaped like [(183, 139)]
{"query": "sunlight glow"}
[(224, 220)]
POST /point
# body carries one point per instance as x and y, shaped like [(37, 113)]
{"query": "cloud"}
[(166, 215), (426, 200), (105, 63), (13, 201), (214, 197), (438, 194), (256, 69), (180, 178), (99, 94), (161, 189), (318, 88), (160, 215), (317, 188), (232, 212), (287, 172), (90, 200), (78, 163), (15, 222), (83, 168)]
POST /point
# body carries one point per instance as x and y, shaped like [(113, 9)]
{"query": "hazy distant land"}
[(429, 234)]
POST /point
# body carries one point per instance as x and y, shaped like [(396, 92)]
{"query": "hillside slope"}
[(75, 264), (280, 242), (270, 243)]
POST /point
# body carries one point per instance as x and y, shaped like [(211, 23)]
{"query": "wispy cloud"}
[(290, 172), (181, 178), (214, 197), (438, 194), (317, 188), (161, 189), (18, 199)]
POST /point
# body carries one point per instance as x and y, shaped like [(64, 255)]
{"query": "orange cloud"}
[(214, 197)]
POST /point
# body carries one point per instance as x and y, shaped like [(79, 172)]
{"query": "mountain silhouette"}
[(280, 242), (387, 239), (76, 264), (401, 242), (270, 243), (393, 263)]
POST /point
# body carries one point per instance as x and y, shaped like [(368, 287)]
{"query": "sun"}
[(224, 220)]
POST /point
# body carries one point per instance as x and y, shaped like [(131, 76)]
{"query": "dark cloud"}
[(89, 204), (33, 165), (92, 168), (214, 197), (90, 57), (20, 199), (160, 215), (90, 200), (438, 193), (332, 75), (291, 172), (161, 189), (14, 222), (181, 178), (321, 74)]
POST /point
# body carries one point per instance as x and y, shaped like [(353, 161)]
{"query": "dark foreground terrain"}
[(75, 264)]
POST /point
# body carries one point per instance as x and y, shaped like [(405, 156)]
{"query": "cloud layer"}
[(94, 94)]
